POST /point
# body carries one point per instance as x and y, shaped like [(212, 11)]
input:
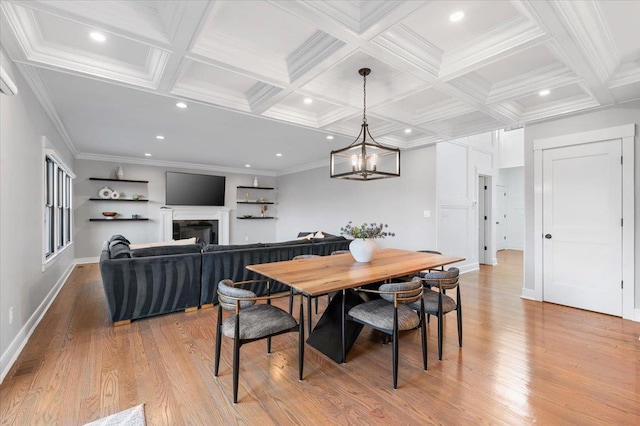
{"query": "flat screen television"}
[(188, 189)]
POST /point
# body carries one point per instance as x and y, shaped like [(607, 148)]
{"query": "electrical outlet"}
[(246, 238), (11, 315)]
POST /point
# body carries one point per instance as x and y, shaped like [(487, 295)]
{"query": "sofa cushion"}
[(119, 237), (218, 247), (327, 238), (119, 250), (166, 250)]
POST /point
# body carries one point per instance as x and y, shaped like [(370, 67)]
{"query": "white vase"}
[(120, 173), (362, 249), (255, 182)]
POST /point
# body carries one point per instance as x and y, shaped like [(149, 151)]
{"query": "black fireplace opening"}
[(205, 231)]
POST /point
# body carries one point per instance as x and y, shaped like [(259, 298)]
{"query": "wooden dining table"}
[(341, 273)]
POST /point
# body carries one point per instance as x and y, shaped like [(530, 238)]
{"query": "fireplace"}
[(205, 231), (201, 222)]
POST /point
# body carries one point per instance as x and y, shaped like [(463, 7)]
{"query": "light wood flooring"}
[(523, 362)]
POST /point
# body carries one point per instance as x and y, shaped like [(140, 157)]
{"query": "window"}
[(57, 206)]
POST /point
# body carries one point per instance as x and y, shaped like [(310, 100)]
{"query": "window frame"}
[(57, 205)]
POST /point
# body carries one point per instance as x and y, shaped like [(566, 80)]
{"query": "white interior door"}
[(501, 217), (582, 210), (483, 216)]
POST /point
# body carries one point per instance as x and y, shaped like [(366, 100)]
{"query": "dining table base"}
[(326, 336)]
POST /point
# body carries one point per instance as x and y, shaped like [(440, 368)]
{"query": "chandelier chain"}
[(364, 109)]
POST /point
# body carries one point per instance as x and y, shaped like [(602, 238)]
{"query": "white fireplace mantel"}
[(168, 215)]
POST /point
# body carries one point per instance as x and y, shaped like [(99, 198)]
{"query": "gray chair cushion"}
[(379, 314), (118, 249), (450, 275), (431, 303), (225, 288), (415, 284), (259, 321)]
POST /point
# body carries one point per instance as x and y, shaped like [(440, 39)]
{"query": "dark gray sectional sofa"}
[(158, 280)]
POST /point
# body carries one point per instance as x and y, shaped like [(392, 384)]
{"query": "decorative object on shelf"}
[(263, 211), (363, 247), (109, 215), (115, 195), (246, 196), (120, 173), (365, 160), (247, 216), (135, 216), (255, 182), (135, 197), (105, 193)]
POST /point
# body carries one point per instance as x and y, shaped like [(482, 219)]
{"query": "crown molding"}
[(626, 74), (585, 24), (172, 164), (566, 106), (260, 95), (41, 91), (443, 110), (405, 43), (311, 53), (511, 111), (511, 37), (303, 168)]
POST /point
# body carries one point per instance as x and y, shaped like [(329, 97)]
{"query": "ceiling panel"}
[(555, 95), (520, 63)]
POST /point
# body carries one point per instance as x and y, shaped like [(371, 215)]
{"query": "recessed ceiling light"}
[(146, 154), (407, 131), (278, 155), (247, 165), (456, 16), (308, 101), (330, 137), (181, 105), (96, 36), (160, 137), (544, 92)]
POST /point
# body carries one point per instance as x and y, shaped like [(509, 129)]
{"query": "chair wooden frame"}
[(442, 289), (237, 342), (399, 297)]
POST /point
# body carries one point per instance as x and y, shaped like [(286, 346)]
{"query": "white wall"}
[(23, 284), (311, 200), (459, 162), (89, 236), (627, 113)]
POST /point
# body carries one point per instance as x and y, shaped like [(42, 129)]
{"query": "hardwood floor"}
[(522, 362)]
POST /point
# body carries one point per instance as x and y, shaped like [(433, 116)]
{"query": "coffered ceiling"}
[(245, 68)]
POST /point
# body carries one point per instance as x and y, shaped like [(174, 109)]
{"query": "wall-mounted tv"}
[(188, 189)]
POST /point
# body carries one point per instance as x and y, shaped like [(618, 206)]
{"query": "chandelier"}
[(365, 160)]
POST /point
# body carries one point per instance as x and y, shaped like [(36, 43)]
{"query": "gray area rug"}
[(132, 417)]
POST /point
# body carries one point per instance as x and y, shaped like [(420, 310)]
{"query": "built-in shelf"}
[(259, 217), (254, 202), (116, 219), (119, 180), (255, 187), (117, 199)]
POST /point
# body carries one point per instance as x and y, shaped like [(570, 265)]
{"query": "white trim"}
[(529, 294), (636, 316), (9, 356), (626, 134), (468, 268), (618, 132)]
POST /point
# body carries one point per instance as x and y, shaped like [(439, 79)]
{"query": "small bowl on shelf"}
[(109, 215)]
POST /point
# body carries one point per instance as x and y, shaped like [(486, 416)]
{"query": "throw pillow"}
[(119, 237), (305, 237), (119, 250), (319, 234)]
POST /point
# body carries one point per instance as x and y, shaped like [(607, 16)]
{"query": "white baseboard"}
[(636, 315), (530, 294), (468, 268), (9, 357), (85, 260)]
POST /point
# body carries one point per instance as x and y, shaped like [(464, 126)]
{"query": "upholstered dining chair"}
[(252, 321), (438, 303), (390, 314)]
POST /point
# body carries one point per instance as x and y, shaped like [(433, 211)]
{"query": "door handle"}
[(548, 236)]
